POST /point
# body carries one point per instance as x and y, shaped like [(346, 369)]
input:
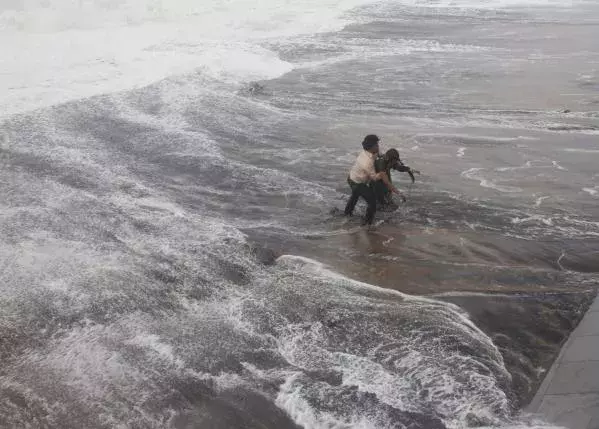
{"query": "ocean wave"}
[(115, 47)]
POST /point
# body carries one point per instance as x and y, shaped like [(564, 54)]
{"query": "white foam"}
[(372, 377), (361, 48), (461, 152), (161, 205), (559, 260), (393, 365), (493, 4), (291, 400), (540, 200), (592, 191), (152, 342), (479, 137), (307, 265), (559, 167), (533, 164), (578, 150), (533, 218), (318, 268), (388, 241), (86, 364), (573, 129), (54, 51), (474, 174)]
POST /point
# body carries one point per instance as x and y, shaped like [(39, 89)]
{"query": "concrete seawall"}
[(569, 395)]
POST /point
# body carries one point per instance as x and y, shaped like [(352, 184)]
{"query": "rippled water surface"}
[(170, 173)]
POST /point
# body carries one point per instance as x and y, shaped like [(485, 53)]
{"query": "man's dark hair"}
[(370, 141)]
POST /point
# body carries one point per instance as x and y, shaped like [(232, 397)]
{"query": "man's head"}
[(371, 143)]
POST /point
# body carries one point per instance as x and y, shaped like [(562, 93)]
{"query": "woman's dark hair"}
[(392, 155)]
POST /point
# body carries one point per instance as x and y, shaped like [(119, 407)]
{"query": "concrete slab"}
[(575, 377), (582, 349), (571, 411), (589, 324), (569, 395)]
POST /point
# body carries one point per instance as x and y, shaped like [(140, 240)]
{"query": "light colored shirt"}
[(363, 169)]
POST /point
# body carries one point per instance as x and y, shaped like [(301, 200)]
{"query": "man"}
[(384, 163), (361, 177)]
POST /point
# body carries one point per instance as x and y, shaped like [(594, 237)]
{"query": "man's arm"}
[(383, 176)]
